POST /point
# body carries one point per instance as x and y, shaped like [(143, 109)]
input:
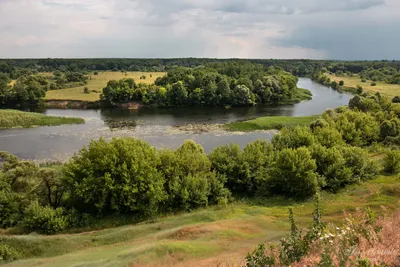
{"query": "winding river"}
[(155, 125)]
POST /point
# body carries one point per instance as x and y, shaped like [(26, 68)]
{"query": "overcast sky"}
[(320, 29)]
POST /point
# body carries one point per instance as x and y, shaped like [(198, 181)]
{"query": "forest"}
[(189, 82)]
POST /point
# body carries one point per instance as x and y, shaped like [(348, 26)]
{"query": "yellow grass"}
[(386, 89), (98, 82)]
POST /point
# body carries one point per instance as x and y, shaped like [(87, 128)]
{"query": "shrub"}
[(396, 99), (363, 80), (328, 136), (8, 253), (293, 174), (118, 176), (359, 89), (86, 90), (373, 84), (44, 220), (258, 157), (391, 162), (293, 138), (189, 182), (228, 160), (341, 83), (361, 166), (95, 73), (331, 167)]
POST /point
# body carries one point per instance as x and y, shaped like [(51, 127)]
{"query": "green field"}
[(97, 83), (20, 119), (389, 90), (202, 238), (270, 123)]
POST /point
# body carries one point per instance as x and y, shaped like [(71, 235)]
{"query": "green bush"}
[(293, 138), (361, 166), (189, 182), (391, 162), (116, 176), (8, 253), (373, 84), (328, 136), (396, 99), (258, 157), (44, 220), (293, 174), (228, 160), (331, 167)]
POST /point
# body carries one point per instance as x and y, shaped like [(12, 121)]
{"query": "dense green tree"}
[(293, 138), (391, 162), (116, 176), (228, 160), (177, 95), (189, 182), (293, 174)]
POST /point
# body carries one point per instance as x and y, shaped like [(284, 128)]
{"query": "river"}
[(155, 125)]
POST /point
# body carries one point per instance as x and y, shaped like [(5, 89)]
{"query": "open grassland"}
[(97, 83), (20, 119), (206, 237), (386, 89), (270, 123)]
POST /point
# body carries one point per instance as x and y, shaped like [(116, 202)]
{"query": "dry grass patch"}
[(97, 83), (386, 89)]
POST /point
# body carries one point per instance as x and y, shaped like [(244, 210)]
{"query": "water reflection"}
[(155, 125)]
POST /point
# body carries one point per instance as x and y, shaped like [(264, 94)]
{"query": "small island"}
[(20, 119)]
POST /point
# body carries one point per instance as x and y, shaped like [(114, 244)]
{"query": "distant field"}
[(209, 237), (98, 82), (270, 123), (389, 90)]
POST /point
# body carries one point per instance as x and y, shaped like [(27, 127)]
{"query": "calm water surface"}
[(155, 126)]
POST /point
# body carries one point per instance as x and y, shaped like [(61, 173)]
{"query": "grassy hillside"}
[(269, 123), (202, 238), (389, 90), (16, 118), (97, 83)]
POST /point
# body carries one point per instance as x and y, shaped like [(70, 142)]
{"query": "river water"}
[(156, 125)]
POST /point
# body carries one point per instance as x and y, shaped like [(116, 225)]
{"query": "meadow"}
[(20, 119), (97, 83), (390, 90), (270, 123), (208, 237)]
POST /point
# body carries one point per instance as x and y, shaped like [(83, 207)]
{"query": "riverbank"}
[(270, 123), (20, 119)]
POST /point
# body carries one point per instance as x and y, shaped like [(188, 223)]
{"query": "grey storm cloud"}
[(345, 29)]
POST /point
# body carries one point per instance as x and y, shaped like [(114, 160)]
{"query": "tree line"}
[(299, 67), (220, 84)]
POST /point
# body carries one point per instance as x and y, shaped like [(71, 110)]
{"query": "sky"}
[(316, 29)]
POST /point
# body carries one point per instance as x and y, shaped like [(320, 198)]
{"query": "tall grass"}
[(20, 119), (270, 123), (185, 238)]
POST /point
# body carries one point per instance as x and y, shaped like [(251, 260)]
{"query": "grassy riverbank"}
[(351, 83), (20, 119), (96, 84), (270, 123), (205, 237)]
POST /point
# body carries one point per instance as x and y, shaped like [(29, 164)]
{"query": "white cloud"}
[(183, 28)]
